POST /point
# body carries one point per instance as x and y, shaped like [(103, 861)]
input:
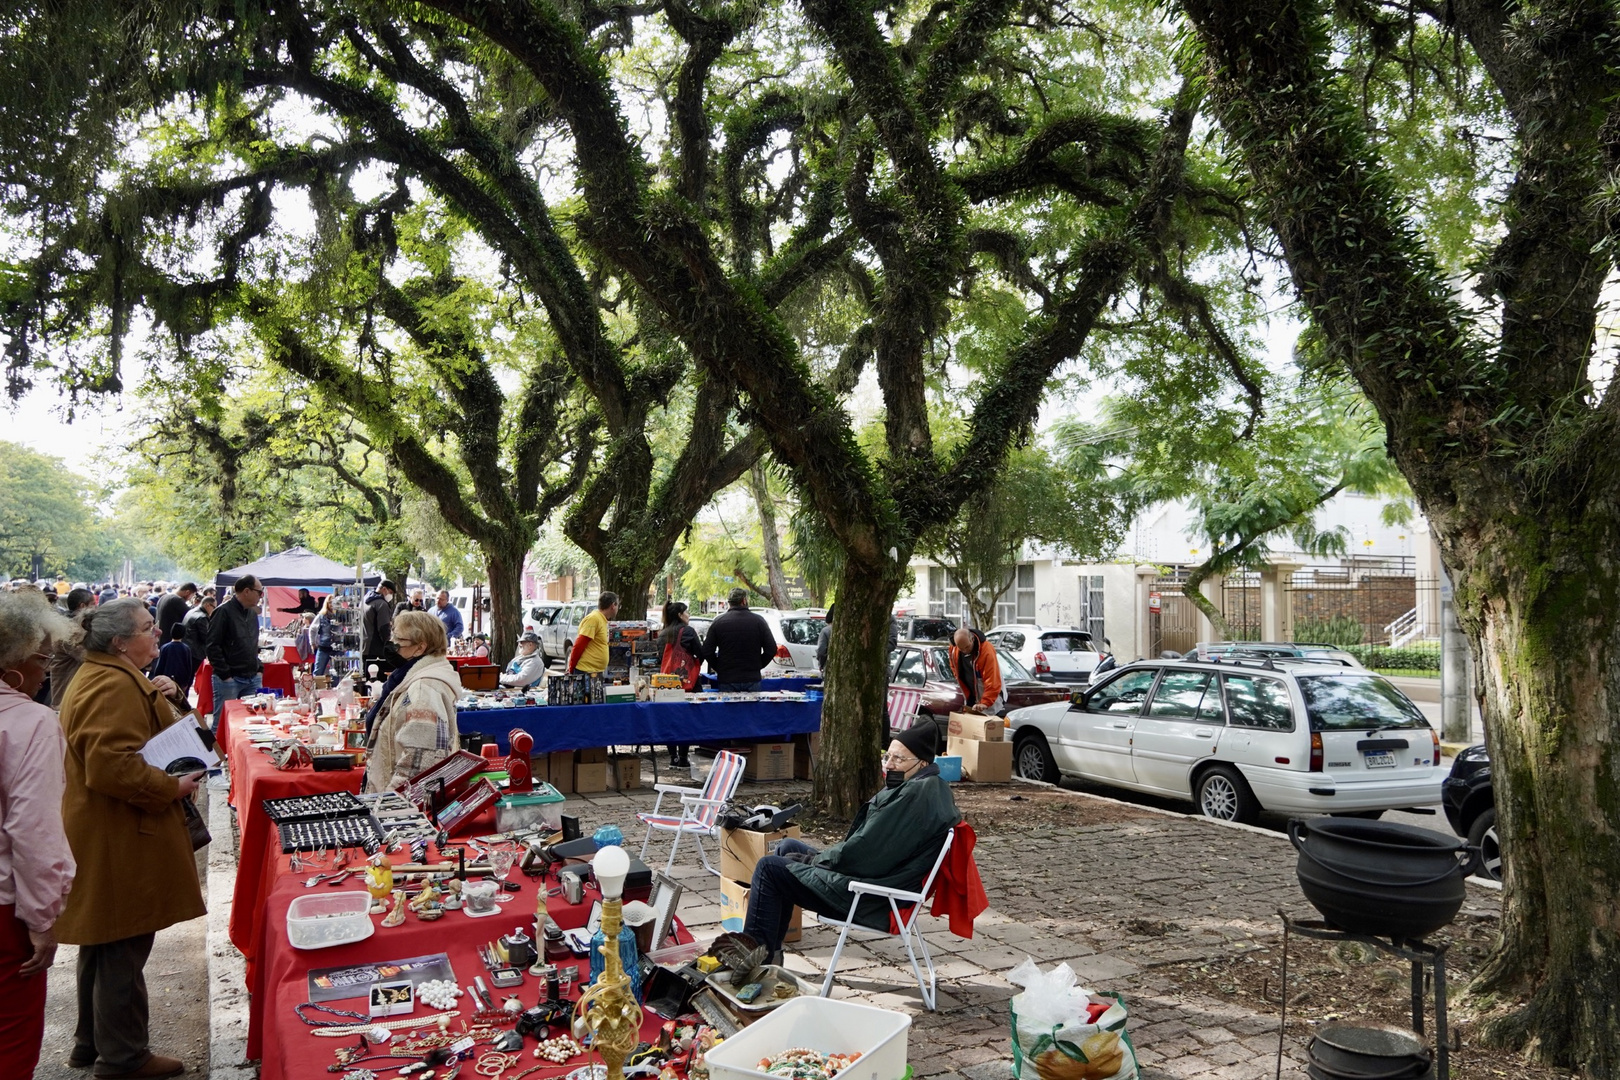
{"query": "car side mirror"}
[(1077, 698)]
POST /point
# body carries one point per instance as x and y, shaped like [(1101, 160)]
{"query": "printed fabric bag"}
[(1061, 1031)]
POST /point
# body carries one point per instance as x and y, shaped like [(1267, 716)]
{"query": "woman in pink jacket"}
[(36, 864)]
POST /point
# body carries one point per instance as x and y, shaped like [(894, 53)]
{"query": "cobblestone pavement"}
[(1115, 900)]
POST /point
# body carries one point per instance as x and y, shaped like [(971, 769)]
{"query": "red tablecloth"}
[(278, 676), (286, 1047), (254, 779)]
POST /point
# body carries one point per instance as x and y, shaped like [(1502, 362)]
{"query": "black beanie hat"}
[(919, 739)]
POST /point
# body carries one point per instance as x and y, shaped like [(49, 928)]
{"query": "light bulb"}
[(611, 865)]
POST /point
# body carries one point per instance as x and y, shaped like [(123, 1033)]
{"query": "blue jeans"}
[(775, 892), (738, 687), (323, 660), (231, 689)]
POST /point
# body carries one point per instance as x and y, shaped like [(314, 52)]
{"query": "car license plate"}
[(1380, 759)]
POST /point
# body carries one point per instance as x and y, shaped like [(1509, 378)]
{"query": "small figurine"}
[(452, 896), (425, 899), (396, 916)]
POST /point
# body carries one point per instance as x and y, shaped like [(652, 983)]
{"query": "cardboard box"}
[(805, 749), (769, 761), (624, 772), (596, 755), (590, 777), (560, 772), (540, 768), (734, 910), (973, 726), (740, 849), (982, 762)]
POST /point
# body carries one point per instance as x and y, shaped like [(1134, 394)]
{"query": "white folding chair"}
[(907, 924), (699, 810)]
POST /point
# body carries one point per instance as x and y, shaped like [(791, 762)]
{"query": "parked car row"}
[(925, 666), (1240, 736), (557, 625)]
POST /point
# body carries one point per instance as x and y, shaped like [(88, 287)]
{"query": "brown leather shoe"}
[(81, 1058), (156, 1065)]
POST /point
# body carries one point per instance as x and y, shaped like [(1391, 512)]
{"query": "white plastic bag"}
[(1063, 1031)]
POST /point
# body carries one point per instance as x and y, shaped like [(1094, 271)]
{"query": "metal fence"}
[(1389, 619), (1175, 625), (1240, 603)]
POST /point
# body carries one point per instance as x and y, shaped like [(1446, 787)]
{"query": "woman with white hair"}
[(136, 872), (36, 864), (415, 723)]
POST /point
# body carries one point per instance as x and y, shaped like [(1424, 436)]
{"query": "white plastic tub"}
[(323, 919), (832, 1027)]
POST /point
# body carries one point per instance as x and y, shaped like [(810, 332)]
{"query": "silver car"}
[(1239, 736)]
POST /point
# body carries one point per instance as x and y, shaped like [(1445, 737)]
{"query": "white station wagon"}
[(1236, 737)]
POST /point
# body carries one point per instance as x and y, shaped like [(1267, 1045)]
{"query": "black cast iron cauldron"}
[(1346, 1052), (1378, 878)]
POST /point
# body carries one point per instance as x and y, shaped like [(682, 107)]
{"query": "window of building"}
[(1091, 606)]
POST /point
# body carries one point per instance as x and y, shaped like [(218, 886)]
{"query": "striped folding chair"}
[(903, 708), (699, 810)]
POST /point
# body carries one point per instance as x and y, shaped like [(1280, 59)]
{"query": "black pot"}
[(1349, 1052), (1379, 878)]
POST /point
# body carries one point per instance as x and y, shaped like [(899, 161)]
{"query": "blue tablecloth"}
[(580, 727)]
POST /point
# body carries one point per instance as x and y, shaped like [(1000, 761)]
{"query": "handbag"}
[(195, 825), (678, 661)]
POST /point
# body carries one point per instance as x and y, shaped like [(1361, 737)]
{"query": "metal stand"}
[(1420, 953)]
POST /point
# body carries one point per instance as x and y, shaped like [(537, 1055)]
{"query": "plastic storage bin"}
[(321, 920), (525, 809), (832, 1027), (950, 768)]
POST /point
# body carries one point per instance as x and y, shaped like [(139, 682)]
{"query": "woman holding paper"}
[(36, 865), (136, 873)]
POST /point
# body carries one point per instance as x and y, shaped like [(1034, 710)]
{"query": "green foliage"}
[(1340, 630), (43, 511), (1386, 658)]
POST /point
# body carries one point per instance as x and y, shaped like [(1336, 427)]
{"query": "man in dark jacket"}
[(173, 607), (196, 624), (233, 644), (739, 646), (377, 623), (894, 842)]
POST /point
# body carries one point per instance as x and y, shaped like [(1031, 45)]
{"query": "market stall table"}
[(812, 682), (287, 1048), (639, 723), (254, 779)]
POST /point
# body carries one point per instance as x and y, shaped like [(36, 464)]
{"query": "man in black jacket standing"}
[(739, 646), (173, 607), (377, 623), (233, 644)]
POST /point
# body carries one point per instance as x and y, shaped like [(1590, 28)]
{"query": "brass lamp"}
[(608, 1009)]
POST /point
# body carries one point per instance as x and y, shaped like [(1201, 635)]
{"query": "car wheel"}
[(1482, 835), (1224, 795), (1034, 761)]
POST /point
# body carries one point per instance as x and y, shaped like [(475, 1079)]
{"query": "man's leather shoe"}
[(156, 1065), (81, 1058)]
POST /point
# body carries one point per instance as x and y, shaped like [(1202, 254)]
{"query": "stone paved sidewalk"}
[(1115, 900)]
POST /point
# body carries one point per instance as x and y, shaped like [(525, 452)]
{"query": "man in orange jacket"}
[(978, 672)]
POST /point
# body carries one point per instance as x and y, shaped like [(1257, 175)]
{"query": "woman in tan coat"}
[(416, 722), (136, 874)]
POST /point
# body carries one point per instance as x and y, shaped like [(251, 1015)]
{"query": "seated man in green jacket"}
[(894, 842)]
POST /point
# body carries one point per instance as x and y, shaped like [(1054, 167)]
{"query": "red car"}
[(926, 666)]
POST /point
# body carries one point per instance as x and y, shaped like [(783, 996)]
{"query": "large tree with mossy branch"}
[(971, 178), (1499, 407)]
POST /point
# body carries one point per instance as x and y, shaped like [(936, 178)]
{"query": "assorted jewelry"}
[(359, 1074), (439, 993), (317, 1007), (442, 1019), (800, 1063), (494, 1063), (558, 1050)]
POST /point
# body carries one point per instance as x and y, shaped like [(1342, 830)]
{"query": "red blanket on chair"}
[(959, 892)]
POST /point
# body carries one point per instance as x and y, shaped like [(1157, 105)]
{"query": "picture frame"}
[(354, 740), (665, 901)]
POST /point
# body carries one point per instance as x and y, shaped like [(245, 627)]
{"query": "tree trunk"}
[(505, 568), (1542, 611), (857, 682), (1192, 591), (774, 573), (632, 584)]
